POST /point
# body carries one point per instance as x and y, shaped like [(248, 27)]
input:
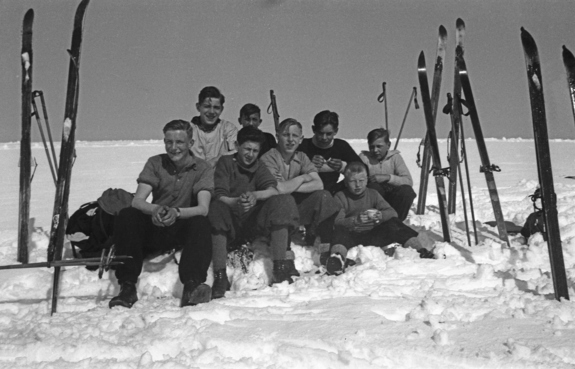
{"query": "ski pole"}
[(464, 150), (48, 129), (36, 114), (273, 108), (414, 98), (383, 98)]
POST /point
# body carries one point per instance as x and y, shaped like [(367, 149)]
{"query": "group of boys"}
[(216, 187)]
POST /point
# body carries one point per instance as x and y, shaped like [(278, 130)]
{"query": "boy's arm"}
[(230, 135), (401, 174), (201, 209), (139, 201), (387, 212), (304, 183), (341, 220)]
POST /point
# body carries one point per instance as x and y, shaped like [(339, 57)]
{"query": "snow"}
[(485, 306)]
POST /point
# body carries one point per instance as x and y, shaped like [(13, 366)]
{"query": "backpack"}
[(91, 227), (535, 221)]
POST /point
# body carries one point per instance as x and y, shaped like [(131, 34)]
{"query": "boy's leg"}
[(223, 230), (195, 236), (317, 210), (391, 231), (133, 229), (134, 236), (276, 217)]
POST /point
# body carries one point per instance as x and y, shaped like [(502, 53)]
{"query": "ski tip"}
[(528, 42), (421, 60), (459, 23), (29, 16), (568, 58), (442, 32)]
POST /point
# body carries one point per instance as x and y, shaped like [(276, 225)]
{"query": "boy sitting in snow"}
[(250, 115), (181, 186), (246, 205), (366, 218), (213, 136), (297, 176), (388, 173)]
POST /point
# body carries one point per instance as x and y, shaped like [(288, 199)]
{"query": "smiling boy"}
[(247, 205), (329, 154), (214, 137), (297, 176), (181, 186)]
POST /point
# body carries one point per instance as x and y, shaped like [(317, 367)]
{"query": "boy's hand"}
[(364, 218), (247, 201), (318, 161), (158, 215), (377, 217), (335, 164), (379, 178), (170, 217)]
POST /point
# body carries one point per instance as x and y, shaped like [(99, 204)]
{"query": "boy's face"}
[(248, 152), (289, 139), (250, 120), (379, 148), (356, 183), (210, 110), (177, 145), (325, 135)]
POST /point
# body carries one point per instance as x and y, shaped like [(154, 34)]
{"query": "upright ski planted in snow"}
[(569, 61), (548, 197), (432, 137), (25, 145), (455, 120), (435, 89), (60, 214), (486, 167)]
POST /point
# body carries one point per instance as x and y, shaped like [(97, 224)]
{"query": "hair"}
[(211, 92), (250, 133), (354, 167), (286, 123), (377, 134), (249, 109), (179, 125), (324, 118)]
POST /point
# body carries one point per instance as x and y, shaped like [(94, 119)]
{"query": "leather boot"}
[(127, 296), (195, 293), (284, 270), (221, 284)]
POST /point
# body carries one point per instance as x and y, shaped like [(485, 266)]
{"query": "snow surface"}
[(485, 306)]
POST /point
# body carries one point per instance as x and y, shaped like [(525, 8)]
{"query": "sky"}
[(144, 62)]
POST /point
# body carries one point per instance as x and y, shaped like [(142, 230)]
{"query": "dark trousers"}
[(391, 231), (317, 211), (400, 198), (136, 236), (277, 211)]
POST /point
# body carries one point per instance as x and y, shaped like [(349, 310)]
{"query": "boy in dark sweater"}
[(247, 205), (330, 155), (250, 115), (366, 218)]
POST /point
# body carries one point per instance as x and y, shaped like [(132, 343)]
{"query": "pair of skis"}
[(60, 213), (461, 82)]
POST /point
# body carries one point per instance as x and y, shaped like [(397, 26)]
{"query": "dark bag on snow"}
[(91, 227), (535, 221)]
